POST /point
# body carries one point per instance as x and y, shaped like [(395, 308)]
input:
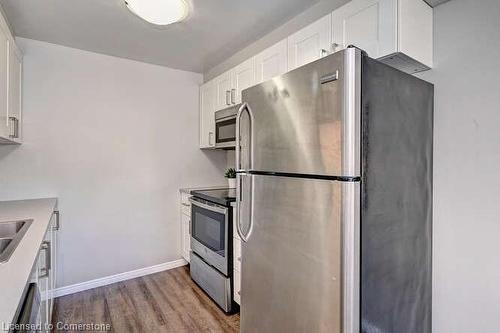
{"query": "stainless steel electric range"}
[(211, 245)]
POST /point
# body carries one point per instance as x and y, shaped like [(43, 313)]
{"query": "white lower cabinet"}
[(186, 244), (185, 226), (237, 287), (43, 282), (45, 274)]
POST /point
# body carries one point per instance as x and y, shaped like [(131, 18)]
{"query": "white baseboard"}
[(117, 278)]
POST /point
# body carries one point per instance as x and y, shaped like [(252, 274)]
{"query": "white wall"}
[(114, 139), (466, 166)]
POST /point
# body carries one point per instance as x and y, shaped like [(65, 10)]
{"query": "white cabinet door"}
[(14, 95), (367, 24), (4, 68), (271, 62), (43, 280), (415, 31), (243, 76), (310, 43), (53, 232), (186, 235), (237, 287), (208, 96), (223, 91)]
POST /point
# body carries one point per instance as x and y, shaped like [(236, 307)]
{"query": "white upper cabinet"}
[(223, 88), (310, 43), (229, 85), (271, 62), (367, 24), (208, 97), (4, 76), (397, 32), (10, 86), (415, 33), (14, 93), (242, 77)]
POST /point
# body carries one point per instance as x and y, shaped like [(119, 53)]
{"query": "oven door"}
[(209, 233), (225, 133)]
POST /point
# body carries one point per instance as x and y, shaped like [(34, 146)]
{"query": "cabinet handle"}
[(334, 47), (324, 53), (228, 97), (210, 138), (48, 262), (233, 96), (15, 127), (58, 220), (44, 272), (185, 204)]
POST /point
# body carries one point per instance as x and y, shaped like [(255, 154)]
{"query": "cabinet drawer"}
[(216, 285), (185, 204), (185, 198), (237, 287), (237, 254)]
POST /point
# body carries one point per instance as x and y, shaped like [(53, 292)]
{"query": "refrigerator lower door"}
[(300, 261)]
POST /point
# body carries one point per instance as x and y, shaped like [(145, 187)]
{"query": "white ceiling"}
[(214, 31)]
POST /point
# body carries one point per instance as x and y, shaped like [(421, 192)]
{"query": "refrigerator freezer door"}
[(306, 121), (292, 276)]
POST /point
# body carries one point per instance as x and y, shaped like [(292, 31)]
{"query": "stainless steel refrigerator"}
[(334, 199)]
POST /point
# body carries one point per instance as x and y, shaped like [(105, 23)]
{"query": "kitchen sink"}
[(11, 233)]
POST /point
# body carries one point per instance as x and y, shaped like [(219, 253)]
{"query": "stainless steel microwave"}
[(225, 127)]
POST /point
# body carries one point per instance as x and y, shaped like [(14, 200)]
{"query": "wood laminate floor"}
[(163, 302)]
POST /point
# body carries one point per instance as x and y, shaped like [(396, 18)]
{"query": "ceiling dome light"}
[(159, 12)]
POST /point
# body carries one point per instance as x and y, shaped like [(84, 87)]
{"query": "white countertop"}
[(188, 190), (15, 273)]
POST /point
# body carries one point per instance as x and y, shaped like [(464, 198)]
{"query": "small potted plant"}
[(231, 177)]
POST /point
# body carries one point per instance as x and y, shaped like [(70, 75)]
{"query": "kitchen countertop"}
[(188, 190), (15, 273)]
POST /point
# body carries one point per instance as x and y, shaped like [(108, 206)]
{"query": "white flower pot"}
[(232, 182)]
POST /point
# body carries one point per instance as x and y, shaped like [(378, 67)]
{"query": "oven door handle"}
[(213, 208)]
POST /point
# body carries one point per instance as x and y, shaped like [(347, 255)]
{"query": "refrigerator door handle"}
[(249, 205), (244, 107)]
